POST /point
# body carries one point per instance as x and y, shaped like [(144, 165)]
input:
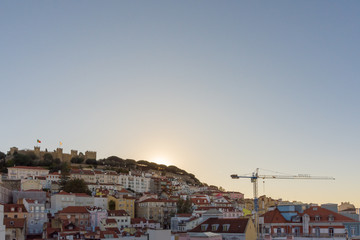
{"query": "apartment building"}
[(159, 210), (37, 216), (22, 172), (79, 216), (314, 222), (135, 182), (63, 199)]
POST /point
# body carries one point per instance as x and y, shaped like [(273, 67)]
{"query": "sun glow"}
[(161, 160)]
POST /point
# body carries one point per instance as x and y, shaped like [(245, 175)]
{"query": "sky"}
[(213, 87)]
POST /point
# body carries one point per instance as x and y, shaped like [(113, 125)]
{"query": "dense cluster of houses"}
[(144, 205)]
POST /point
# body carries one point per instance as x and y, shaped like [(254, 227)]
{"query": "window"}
[(204, 227), (317, 218), (278, 231), (226, 227), (331, 232), (331, 218), (352, 230), (317, 232), (214, 227)]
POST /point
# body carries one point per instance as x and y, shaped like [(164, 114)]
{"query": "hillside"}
[(124, 165), (28, 158)]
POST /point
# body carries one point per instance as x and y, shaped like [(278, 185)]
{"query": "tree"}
[(65, 173), (22, 160), (2, 155), (77, 160), (3, 162), (111, 205), (76, 186), (184, 206), (47, 160), (91, 161)]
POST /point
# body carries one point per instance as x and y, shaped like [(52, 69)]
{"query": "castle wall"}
[(58, 153), (90, 155)]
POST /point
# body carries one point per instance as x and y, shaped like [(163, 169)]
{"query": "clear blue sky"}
[(213, 87)]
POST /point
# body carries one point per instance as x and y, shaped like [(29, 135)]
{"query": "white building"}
[(21, 172), (62, 200), (82, 199), (121, 217), (101, 202), (137, 183)]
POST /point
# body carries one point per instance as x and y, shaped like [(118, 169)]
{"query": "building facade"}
[(22, 172)]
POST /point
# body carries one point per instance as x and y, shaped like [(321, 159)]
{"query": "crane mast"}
[(254, 179)]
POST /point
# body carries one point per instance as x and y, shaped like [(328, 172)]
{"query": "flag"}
[(38, 141)]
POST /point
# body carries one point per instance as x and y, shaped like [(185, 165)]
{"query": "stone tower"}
[(74, 153), (59, 153), (37, 151), (90, 155), (13, 150)]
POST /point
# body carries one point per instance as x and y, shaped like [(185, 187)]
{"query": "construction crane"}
[(254, 179)]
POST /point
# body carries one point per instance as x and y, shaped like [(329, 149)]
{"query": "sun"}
[(161, 160)]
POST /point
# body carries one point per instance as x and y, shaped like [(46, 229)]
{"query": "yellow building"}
[(124, 203)]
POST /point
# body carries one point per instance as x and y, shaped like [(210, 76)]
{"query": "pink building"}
[(96, 215), (235, 195)]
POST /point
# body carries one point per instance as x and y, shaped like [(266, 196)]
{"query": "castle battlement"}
[(58, 153)]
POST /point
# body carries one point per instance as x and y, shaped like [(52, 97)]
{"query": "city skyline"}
[(213, 88)]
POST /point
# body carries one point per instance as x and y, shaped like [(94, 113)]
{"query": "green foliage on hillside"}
[(113, 162), (76, 186), (184, 206), (2, 156), (77, 160), (124, 165), (30, 159)]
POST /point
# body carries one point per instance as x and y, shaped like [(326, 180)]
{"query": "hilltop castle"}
[(58, 153)]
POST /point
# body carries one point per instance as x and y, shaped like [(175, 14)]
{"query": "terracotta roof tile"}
[(14, 208), (63, 193), (114, 229), (74, 209), (274, 216), (103, 233), (81, 195), (110, 220), (324, 215), (14, 222), (157, 200), (117, 213), (234, 225)]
